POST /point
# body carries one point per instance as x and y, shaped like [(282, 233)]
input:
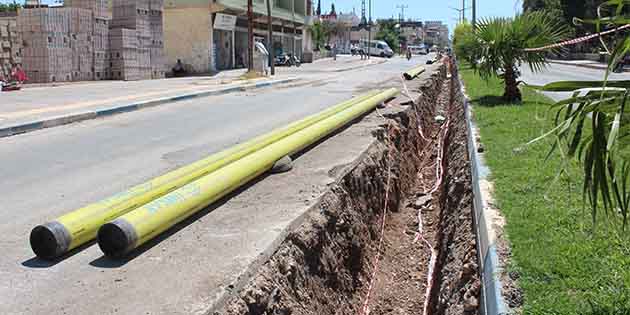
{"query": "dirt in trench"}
[(326, 265)]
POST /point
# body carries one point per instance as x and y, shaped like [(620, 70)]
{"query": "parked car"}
[(378, 48)]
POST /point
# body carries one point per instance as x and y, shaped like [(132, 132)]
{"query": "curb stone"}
[(492, 302), (77, 117)]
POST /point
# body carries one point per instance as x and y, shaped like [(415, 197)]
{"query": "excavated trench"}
[(342, 259)]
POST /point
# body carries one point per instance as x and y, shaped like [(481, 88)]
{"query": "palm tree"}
[(502, 43)]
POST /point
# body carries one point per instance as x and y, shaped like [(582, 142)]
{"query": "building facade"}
[(436, 33), (211, 35)]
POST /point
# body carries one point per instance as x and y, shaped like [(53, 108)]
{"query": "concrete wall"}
[(188, 36)]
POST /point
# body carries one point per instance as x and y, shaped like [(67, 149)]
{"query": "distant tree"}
[(389, 33), (11, 7), (332, 9), (319, 8), (319, 35), (465, 43)]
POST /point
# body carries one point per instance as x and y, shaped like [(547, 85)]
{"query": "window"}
[(379, 46)]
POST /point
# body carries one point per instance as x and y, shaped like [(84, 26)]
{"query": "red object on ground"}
[(19, 75)]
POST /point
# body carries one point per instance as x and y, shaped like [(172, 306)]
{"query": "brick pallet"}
[(10, 45), (84, 41)]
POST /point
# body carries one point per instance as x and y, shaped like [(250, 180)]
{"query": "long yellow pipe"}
[(413, 73), (131, 230), (55, 238)]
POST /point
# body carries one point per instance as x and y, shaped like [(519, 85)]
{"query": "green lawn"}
[(564, 268)]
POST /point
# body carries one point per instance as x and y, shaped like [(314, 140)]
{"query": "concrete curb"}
[(583, 65), (492, 302), (76, 117)]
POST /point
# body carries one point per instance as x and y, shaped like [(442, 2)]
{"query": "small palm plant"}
[(593, 126), (501, 43)]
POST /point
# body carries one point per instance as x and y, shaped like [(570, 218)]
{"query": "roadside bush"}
[(465, 44)]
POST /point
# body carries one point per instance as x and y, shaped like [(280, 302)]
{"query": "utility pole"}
[(402, 8), (250, 35), (474, 13), (369, 27), (270, 40), (463, 11), (460, 14)]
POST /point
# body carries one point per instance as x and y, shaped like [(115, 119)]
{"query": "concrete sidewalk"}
[(45, 107), (41, 106)]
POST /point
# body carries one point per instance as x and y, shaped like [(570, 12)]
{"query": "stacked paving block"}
[(10, 45)]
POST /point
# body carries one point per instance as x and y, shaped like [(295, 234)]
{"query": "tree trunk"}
[(512, 93)]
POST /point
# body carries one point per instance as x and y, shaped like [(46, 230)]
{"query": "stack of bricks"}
[(10, 44), (101, 18), (156, 46), (47, 51), (145, 18), (102, 70), (124, 54), (130, 18), (84, 41), (99, 8)]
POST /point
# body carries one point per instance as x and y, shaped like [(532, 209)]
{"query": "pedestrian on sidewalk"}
[(334, 51)]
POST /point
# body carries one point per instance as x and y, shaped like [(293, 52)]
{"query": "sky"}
[(426, 9), (417, 9)]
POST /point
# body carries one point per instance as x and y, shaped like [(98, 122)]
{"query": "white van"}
[(378, 48), (418, 50)]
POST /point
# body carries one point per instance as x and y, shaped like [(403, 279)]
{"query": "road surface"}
[(48, 172), (557, 72)]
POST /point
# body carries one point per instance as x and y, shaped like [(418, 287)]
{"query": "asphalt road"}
[(49, 172), (557, 72)]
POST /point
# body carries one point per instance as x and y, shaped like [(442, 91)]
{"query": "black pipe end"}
[(407, 76), (116, 238), (50, 240)]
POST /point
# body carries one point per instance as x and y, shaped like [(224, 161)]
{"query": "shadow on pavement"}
[(108, 262), (36, 262)]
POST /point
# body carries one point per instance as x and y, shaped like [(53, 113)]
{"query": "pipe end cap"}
[(117, 238), (50, 240)]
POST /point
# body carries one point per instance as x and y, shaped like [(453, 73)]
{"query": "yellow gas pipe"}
[(55, 238), (413, 73), (133, 229)]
